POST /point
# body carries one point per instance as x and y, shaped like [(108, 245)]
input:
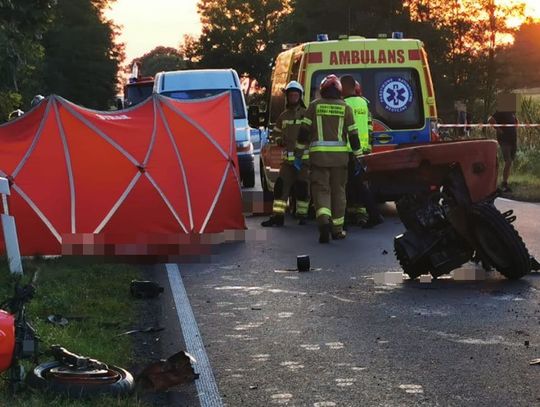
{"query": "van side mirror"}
[(254, 116)]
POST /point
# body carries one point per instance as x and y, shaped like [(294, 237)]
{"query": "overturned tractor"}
[(445, 195)]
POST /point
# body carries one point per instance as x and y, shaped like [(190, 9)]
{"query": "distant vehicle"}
[(395, 78), (138, 89), (197, 84)]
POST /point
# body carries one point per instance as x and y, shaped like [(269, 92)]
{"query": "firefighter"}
[(285, 133), (358, 194), (328, 125)]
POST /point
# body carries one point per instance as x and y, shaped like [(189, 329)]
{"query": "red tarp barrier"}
[(159, 175)]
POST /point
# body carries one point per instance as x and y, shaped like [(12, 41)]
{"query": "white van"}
[(203, 83)]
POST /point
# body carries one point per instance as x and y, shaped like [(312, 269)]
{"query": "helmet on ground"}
[(36, 100), (293, 85), (15, 114), (331, 81), (357, 88)]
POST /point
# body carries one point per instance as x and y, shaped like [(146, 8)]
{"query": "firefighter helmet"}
[(36, 100), (293, 85), (15, 114), (357, 88), (331, 81)]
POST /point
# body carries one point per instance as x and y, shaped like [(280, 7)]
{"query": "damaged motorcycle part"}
[(166, 373), (80, 383), (78, 376)]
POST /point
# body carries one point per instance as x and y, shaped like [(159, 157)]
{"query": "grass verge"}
[(525, 187), (95, 299)]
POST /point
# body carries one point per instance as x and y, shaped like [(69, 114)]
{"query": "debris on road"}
[(303, 263), (143, 330), (145, 289), (384, 252), (534, 362), (164, 374)]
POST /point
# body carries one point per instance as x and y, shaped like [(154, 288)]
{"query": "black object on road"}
[(302, 263), (145, 289)]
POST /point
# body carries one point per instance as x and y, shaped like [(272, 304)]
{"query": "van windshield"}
[(237, 101), (394, 94)]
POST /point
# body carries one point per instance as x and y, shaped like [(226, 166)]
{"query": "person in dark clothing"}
[(507, 138)]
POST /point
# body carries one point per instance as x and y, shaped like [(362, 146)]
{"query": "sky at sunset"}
[(147, 24)]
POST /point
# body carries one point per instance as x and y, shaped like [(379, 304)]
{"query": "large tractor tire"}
[(498, 242)]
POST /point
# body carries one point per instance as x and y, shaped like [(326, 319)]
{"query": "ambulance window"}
[(394, 94), (397, 99)]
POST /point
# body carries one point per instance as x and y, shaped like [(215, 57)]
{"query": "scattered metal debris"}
[(145, 289), (143, 330), (57, 320), (164, 374)]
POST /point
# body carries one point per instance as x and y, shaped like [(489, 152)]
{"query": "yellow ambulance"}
[(394, 75)]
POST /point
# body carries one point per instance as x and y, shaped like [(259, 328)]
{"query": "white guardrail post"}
[(10, 232)]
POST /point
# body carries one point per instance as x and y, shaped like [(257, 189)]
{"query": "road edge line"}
[(206, 383)]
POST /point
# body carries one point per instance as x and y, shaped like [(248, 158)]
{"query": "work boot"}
[(275, 220), (535, 266), (302, 220), (324, 233), (505, 188), (373, 221), (339, 235)]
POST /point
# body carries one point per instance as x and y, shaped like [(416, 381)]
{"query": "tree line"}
[(65, 47), (68, 47)]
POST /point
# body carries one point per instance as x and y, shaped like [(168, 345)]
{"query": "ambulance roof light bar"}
[(322, 37), (382, 36), (398, 35)]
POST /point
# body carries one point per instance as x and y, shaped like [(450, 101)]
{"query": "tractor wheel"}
[(499, 242), (413, 268)]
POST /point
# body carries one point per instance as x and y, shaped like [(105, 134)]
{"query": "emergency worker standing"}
[(328, 125), (286, 134), (358, 194)]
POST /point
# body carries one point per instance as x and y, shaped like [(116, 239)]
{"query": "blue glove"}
[(297, 163), (359, 168)]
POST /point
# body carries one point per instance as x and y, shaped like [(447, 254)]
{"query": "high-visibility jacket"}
[(286, 131), (362, 117), (327, 128)]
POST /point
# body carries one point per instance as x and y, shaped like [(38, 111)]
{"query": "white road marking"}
[(206, 383)]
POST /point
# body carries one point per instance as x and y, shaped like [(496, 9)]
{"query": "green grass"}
[(525, 187), (95, 299), (524, 177)]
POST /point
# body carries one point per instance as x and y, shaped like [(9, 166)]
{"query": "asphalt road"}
[(331, 337)]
